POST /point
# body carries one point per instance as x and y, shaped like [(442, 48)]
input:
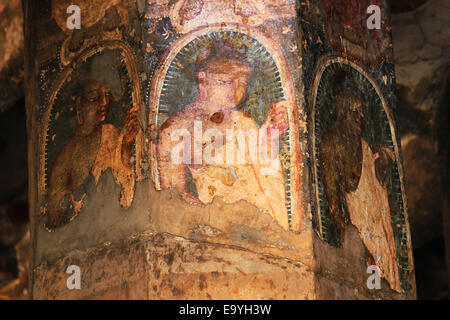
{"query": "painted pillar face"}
[(215, 133), (91, 116), (357, 172), (225, 104), (240, 75)]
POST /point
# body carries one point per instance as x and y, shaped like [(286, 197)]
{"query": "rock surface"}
[(11, 53)]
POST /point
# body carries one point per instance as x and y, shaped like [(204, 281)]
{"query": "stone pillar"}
[(203, 149)]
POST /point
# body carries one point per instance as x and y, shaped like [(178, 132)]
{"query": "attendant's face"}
[(93, 105), (350, 111)]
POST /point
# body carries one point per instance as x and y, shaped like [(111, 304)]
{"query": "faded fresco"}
[(346, 30), (227, 94), (92, 128), (349, 72), (358, 180), (223, 106), (101, 20), (92, 112)]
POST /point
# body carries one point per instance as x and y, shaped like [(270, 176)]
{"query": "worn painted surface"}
[(107, 100), (355, 165), (91, 100), (163, 266), (201, 53), (358, 176)]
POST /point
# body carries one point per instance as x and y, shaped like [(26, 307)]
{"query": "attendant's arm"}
[(271, 131), (128, 135), (277, 119)]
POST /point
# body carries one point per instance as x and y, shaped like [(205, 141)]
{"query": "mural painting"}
[(357, 173), (224, 107), (91, 116), (235, 79), (346, 30), (96, 125)]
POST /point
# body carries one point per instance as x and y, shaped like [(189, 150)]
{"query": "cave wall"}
[(421, 39)]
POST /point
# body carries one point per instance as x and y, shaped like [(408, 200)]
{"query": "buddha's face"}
[(225, 81), (92, 106)]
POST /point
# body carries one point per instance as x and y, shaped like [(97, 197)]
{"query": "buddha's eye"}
[(224, 82)]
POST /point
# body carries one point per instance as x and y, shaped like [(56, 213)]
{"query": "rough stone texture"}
[(398, 6), (444, 151), (423, 189), (13, 192), (243, 224), (164, 266), (418, 55), (114, 272), (18, 288), (338, 271), (421, 41), (199, 253), (11, 53), (199, 270), (243, 234)]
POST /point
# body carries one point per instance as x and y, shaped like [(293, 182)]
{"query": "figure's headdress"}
[(222, 58)]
